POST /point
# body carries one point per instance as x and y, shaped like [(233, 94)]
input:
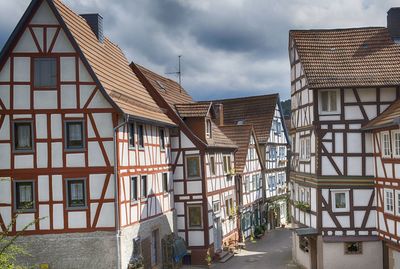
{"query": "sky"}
[(229, 48)]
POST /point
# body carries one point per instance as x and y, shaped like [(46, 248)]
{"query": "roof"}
[(170, 90), (193, 109), (387, 118), (256, 110), (111, 68), (219, 138), (353, 57), (240, 135)]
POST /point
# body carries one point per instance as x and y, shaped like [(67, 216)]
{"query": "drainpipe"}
[(116, 197)]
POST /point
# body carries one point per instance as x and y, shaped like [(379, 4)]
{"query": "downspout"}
[(116, 197)]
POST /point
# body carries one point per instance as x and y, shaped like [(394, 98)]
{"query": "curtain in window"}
[(45, 72), (25, 193), (24, 139), (195, 216), (75, 131), (333, 101), (76, 191), (193, 167), (340, 200), (325, 101)]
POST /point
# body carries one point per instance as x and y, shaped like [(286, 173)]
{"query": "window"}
[(74, 135), (272, 153), (165, 182), (131, 135), (143, 186), (216, 206), (398, 202), (304, 243), (281, 179), (24, 196), (353, 247), (340, 200), (305, 148), (140, 134), (396, 144), (329, 101), (162, 139), (247, 221), (193, 166), (260, 181), (385, 144), (272, 183), (212, 165), (227, 164), (134, 192), (251, 155), (255, 182), (389, 201), (208, 129), (45, 73), (76, 192), (247, 184), (195, 216), (23, 136), (229, 208), (276, 126), (282, 152)]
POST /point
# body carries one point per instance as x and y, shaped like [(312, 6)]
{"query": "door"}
[(154, 247), (217, 234)]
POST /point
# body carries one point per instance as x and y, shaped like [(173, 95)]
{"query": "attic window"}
[(208, 129), (161, 85), (240, 122), (365, 46)]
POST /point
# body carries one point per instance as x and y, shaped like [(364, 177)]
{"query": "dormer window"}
[(329, 101), (208, 129)]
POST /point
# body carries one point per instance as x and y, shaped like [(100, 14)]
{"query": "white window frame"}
[(395, 151), (201, 216), (208, 128), (385, 201), (397, 201), (330, 112), (228, 166), (305, 148), (186, 166), (383, 151), (333, 194)]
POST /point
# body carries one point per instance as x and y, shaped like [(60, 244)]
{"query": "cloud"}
[(230, 47)]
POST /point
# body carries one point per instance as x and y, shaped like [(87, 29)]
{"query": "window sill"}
[(329, 113), (83, 208), (23, 151), (24, 211), (80, 150)]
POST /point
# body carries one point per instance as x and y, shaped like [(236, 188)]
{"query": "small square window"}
[(134, 192), (140, 134), (23, 138), (24, 196), (193, 166), (74, 135), (76, 192), (165, 182), (216, 207), (353, 248), (340, 200), (131, 127), (329, 101), (45, 73), (144, 186), (195, 216), (162, 139)]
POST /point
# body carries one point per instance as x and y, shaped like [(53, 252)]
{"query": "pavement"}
[(273, 251)]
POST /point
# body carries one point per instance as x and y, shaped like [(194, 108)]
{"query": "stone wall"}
[(71, 250)]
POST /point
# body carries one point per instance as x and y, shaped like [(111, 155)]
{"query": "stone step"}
[(225, 257)]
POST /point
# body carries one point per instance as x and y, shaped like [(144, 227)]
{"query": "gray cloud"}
[(230, 48)]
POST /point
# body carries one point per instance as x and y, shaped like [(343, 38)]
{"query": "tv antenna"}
[(179, 73)]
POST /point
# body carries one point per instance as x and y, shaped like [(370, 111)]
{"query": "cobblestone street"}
[(273, 251)]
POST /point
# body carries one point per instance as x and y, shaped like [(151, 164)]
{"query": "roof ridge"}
[(338, 29), (244, 98)]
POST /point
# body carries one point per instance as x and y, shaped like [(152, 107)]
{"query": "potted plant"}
[(136, 263), (208, 258), (303, 206), (259, 232)]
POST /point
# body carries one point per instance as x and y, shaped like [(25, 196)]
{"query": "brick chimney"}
[(393, 23), (95, 22), (219, 114)]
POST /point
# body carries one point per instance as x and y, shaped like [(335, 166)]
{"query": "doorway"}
[(217, 234), (155, 238)]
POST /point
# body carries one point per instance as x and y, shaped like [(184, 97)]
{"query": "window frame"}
[(346, 197), (227, 163), (397, 202), (74, 149), (305, 148), (14, 139), (358, 252), (68, 193), (165, 182), (383, 143), (162, 138), (212, 165), (208, 128), (132, 135), (218, 203), (338, 99), (143, 189), (140, 136), (385, 201), (33, 194), (272, 157), (45, 87), (197, 156), (188, 216), (229, 205), (134, 179), (394, 148)]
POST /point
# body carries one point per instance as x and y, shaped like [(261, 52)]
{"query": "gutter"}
[(116, 197)]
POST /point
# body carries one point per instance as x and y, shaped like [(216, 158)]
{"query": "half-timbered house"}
[(265, 114), (249, 167), (202, 165), (385, 131), (340, 80), (85, 150)]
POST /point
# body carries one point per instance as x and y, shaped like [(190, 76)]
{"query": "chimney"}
[(219, 111), (95, 22), (393, 23)]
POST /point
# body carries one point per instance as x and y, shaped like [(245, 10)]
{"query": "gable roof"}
[(170, 90), (241, 135), (105, 62), (353, 57), (193, 109), (386, 119), (256, 110)]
